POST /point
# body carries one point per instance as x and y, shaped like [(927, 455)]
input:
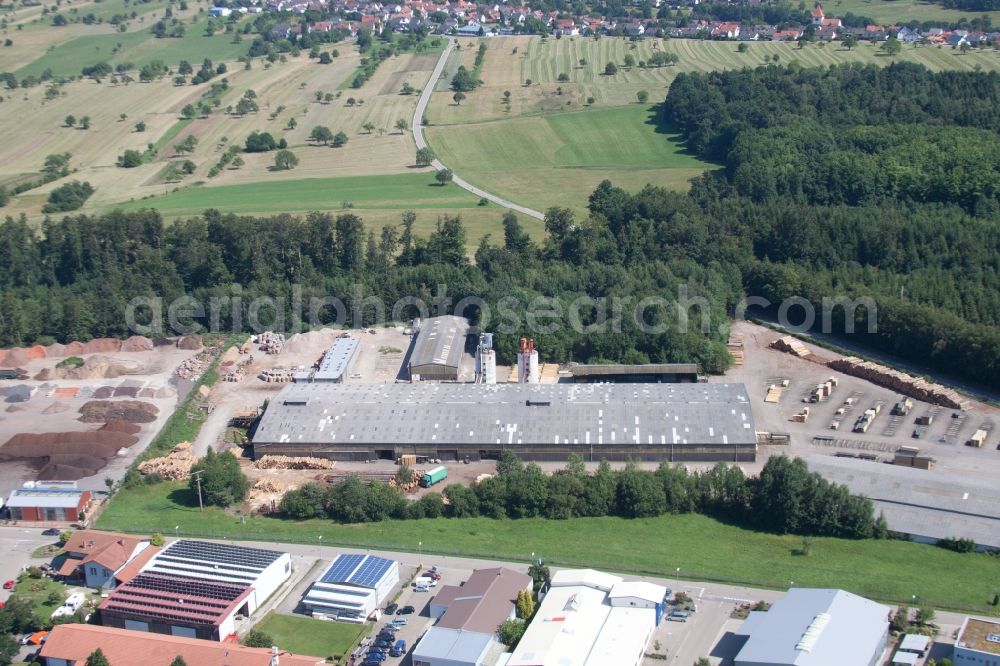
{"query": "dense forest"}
[(785, 499), (74, 280), (848, 181)]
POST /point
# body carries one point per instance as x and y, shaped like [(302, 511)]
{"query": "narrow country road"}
[(418, 137)]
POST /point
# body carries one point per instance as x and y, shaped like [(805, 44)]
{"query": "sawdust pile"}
[(10, 358), (95, 367), (67, 455), (133, 411), (175, 466), (315, 342)]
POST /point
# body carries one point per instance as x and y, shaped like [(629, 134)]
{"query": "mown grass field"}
[(902, 11), (703, 548), (316, 638), (536, 158), (556, 140)]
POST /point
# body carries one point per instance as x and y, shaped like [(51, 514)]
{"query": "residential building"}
[(468, 618), (96, 558), (71, 644)]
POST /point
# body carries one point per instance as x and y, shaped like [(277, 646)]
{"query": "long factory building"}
[(651, 422)]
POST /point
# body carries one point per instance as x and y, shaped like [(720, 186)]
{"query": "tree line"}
[(786, 498)]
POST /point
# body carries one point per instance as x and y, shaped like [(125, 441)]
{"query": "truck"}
[(436, 475)]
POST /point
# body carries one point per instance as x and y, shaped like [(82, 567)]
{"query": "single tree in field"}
[(237, 162), (743, 47), (70, 120), (590, 101), (339, 139), (140, 126), (506, 96), (327, 98), (285, 159), (443, 176), (324, 58), (563, 77), (189, 111), (122, 117), (583, 62), (642, 96), (850, 41), (965, 47), (610, 69), (321, 134), (292, 124), (402, 125), (368, 127), (527, 82), (85, 122), (458, 97), (629, 60), (97, 658), (892, 47), (319, 95), (425, 156)]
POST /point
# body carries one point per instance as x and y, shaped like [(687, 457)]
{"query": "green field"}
[(703, 548), (902, 11), (401, 192), (139, 47), (558, 159), (316, 638)]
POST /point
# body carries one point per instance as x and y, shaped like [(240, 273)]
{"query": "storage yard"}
[(83, 411)]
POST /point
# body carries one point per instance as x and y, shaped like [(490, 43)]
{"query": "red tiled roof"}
[(131, 570), (75, 642), (817, 11)]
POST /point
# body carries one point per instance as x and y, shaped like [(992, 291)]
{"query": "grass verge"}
[(317, 638), (703, 548), (169, 135)]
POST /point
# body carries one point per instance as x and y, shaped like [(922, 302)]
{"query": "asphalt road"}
[(418, 137), (704, 635)]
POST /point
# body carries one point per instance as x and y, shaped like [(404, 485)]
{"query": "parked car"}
[(391, 608), (399, 622), (431, 573), (679, 616), (383, 643), (26, 638), (399, 649), (425, 581), (407, 610), (51, 532), (9, 585)]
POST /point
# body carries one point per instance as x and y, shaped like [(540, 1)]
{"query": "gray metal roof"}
[(440, 341), (455, 645), (45, 498), (509, 414), (336, 360), (815, 627), (935, 504)]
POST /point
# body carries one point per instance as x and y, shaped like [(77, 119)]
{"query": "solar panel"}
[(371, 571), (254, 558), (342, 568)]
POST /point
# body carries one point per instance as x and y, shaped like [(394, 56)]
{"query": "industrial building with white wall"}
[(352, 587), (196, 589), (591, 618), (439, 349), (816, 627)]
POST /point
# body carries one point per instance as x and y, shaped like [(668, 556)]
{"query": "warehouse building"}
[(590, 618), (677, 422), (71, 644), (439, 349), (816, 627), (196, 589), (48, 502), (468, 618), (925, 507), (352, 587), (334, 365), (978, 643), (617, 373)]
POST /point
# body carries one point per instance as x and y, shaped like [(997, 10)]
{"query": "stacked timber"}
[(915, 387), (293, 462), (788, 344)]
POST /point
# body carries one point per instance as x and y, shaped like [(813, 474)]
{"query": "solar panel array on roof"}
[(342, 568), (235, 557), (363, 570)]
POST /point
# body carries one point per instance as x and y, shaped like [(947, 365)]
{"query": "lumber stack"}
[(293, 462), (787, 343), (915, 387)]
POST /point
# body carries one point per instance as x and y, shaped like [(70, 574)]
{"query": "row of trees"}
[(785, 498)]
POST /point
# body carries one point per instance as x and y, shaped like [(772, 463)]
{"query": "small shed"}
[(905, 659), (915, 643)]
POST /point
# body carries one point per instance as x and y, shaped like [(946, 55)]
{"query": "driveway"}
[(418, 138)]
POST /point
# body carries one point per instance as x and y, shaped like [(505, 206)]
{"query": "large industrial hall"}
[(677, 422)]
